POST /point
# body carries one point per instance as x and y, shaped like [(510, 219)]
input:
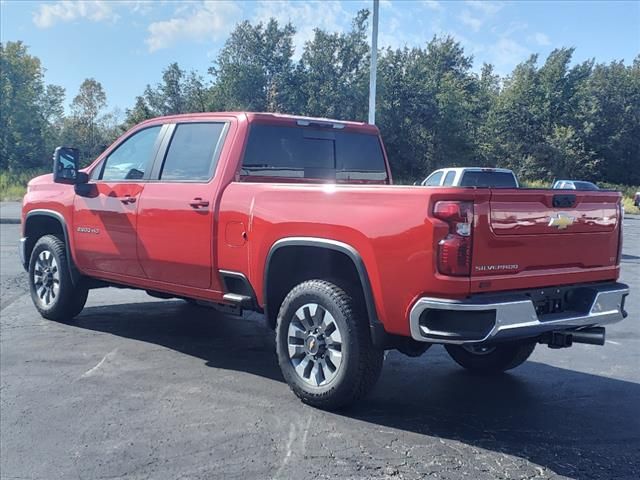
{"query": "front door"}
[(104, 221), (176, 220)]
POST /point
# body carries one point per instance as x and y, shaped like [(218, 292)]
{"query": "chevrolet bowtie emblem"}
[(561, 221)]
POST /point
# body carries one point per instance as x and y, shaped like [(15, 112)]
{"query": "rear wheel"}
[(324, 347), (52, 291), (490, 359)]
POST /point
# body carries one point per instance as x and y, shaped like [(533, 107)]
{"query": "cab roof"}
[(273, 118)]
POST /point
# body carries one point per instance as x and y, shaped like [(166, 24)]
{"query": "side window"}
[(448, 179), (132, 157), (193, 152), (433, 180)]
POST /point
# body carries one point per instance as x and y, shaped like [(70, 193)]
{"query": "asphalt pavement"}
[(142, 388), (10, 212)]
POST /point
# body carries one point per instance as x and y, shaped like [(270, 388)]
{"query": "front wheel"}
[(491, 359), (324, 347), (52, 290)]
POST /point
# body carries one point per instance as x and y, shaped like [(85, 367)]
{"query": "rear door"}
[(530, 238), (176, 214)]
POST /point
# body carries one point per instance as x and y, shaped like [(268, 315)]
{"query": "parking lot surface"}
[(143, 388)]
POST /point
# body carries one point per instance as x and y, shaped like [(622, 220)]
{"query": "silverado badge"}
[(561, 221)]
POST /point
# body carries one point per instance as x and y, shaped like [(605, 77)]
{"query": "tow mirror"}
[(65, 166)]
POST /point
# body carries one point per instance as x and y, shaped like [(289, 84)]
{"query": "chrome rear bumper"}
[(512, 315)]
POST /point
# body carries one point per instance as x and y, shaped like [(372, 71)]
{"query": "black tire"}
[(361, 363), (70, 299), (501, 358)]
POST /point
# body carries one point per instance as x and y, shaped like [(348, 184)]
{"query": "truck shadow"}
[(576, 424)]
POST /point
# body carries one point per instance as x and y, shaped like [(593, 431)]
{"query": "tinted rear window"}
[(585, 186), (488, 180), (303, 152)]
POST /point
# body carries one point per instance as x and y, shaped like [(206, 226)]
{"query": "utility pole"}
[(374, 65)]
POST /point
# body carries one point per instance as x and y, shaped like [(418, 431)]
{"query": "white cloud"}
[(305, 17), (433, 5), (204, 21), (478, 13), (48, 14), (486, 7), (541, 39), (506, 53), (474, 23)]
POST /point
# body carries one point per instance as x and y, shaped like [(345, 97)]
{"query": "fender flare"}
[(40, 212), (377, 331)]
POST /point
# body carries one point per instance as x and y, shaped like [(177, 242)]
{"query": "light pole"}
[(374, 63)]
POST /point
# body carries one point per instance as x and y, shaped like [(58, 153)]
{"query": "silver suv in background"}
[(472, 177)]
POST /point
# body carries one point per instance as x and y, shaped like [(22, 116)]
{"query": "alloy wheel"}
[(46, 278), (315, 345)]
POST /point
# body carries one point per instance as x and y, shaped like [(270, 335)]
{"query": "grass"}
[(13, 186), (629, 207)]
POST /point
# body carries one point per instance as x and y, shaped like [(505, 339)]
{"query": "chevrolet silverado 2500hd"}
[(297, 218)]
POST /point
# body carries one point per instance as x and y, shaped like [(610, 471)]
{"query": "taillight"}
[(454, 251)]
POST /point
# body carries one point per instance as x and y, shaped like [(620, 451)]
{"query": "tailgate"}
[(532, 238)]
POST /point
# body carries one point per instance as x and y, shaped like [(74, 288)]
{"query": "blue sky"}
[(125, 44)]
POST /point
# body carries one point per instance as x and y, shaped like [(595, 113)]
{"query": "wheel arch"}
[(333, 250), (41, 222)]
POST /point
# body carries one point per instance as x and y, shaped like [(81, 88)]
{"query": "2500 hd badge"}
[(93, 230)]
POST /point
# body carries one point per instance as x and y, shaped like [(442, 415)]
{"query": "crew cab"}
[(297, 218)]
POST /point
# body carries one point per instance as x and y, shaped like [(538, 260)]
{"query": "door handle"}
[(198, 202), (128, 199)]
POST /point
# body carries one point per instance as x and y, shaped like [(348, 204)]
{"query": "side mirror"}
[(65, 166)]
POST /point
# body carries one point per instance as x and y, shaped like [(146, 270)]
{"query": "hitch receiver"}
[(566, 338)]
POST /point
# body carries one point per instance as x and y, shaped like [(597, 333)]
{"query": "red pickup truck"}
[(298, 218)]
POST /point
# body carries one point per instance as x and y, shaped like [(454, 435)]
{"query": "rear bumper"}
[(509, 316)]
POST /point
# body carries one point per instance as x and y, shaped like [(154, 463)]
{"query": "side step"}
[(242, 301)]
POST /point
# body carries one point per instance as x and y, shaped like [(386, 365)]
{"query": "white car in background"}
[(472, 177)]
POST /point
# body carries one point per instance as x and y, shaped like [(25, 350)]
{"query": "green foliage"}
[(13, 185), (254, 69), (22, 94), (547, 119), (333, 73)]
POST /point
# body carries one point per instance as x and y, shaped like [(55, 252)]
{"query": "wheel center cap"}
[(312, 344)]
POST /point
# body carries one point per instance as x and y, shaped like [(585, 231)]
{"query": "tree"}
[(334, 72), (21, 90), (428, 110), (138, 113), (84, 129), (554, 119), (52, 111), (254, 68)]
